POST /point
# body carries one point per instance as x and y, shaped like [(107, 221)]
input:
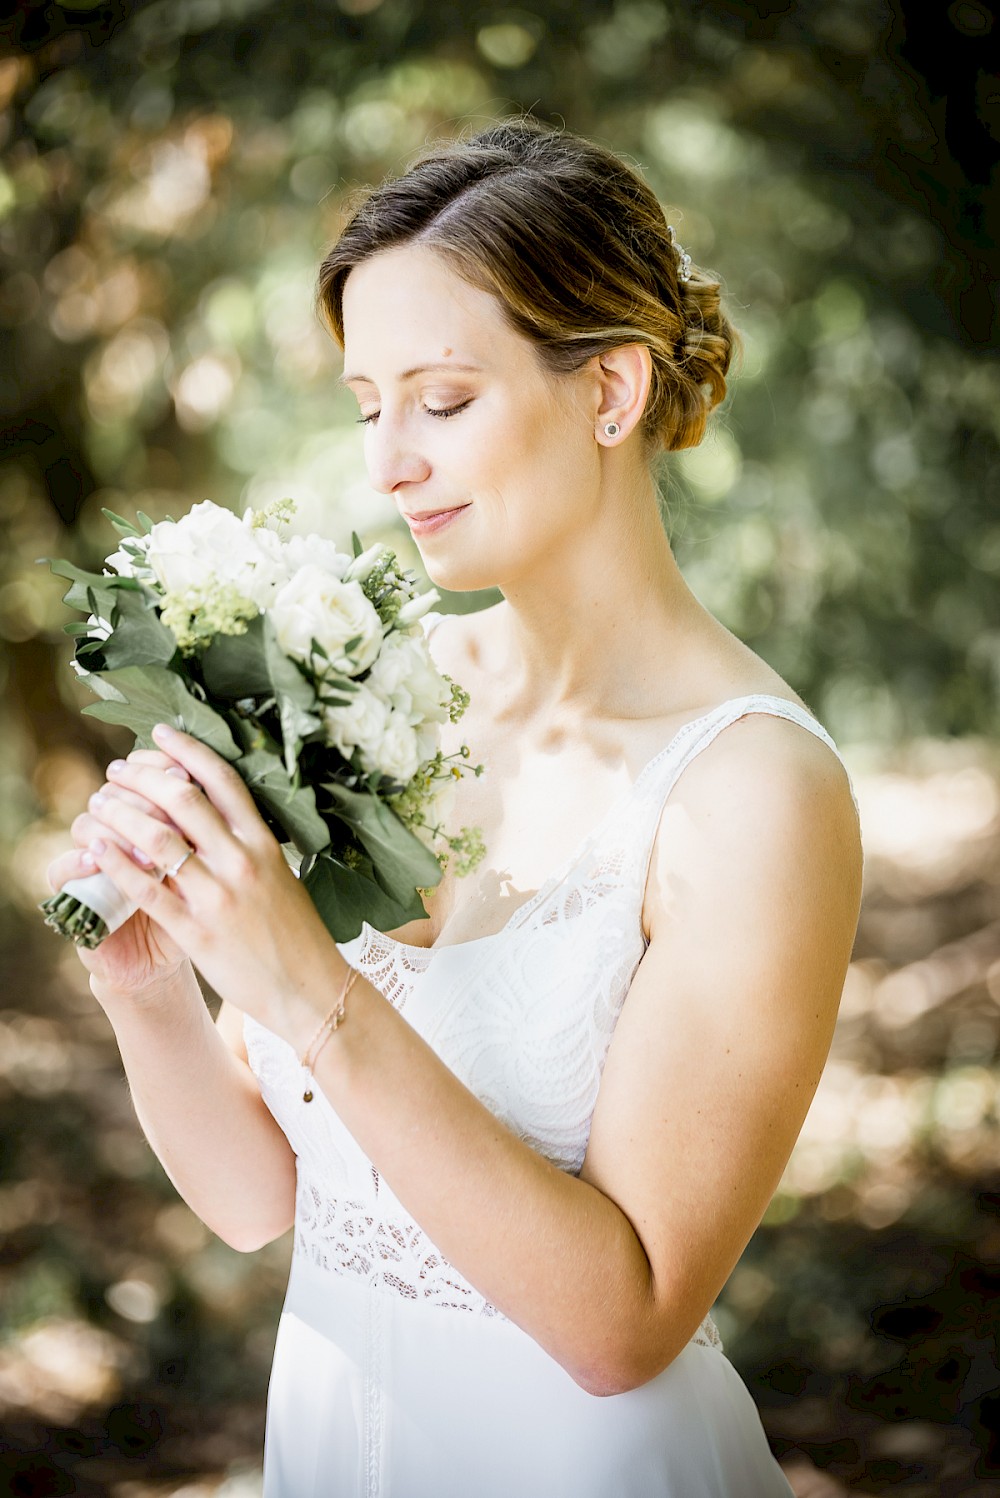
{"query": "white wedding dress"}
[(393, 1377)]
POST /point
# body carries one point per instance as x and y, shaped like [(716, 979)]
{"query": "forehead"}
[(407, 306)]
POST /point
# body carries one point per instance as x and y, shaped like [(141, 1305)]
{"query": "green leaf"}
[(346, 898), (291, 805), (295, 695), (93, 592), (152, 694), (144, 521), (356, 543), (103, 688), (124, 527), (235, 666), (401, 862), (139, 638)]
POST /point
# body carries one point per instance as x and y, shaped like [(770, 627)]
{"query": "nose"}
[(392, 457)]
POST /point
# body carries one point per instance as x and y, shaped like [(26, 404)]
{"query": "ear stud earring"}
[(611, 429)]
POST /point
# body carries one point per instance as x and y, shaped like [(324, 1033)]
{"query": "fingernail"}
[(88, 860), (143, 858), (98, 846), (163, 731), (176, 770), (98, 799), (116, 767)]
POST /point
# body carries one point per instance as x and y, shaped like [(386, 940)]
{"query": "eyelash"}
[(441, 415)]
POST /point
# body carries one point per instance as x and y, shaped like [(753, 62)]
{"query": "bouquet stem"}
[(87, 910)]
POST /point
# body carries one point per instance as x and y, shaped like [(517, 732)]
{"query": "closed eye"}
[(445, 411), (441, 412)]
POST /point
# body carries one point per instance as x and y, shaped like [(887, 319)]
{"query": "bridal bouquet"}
[(308, 670)]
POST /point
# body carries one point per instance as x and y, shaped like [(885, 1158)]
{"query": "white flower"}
[(319, 551), (362, 566), (315, 605), (405, 676), (397, 753), (359, 725), (127, 562), (428, 740), (418, 606), (98, 628), (208, 546)]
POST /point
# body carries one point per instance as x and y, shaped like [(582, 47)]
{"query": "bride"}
[(523, 1166)]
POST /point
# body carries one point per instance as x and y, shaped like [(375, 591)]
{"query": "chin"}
[(460, 574)]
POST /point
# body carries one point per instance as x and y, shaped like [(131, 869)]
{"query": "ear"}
[(624, 375)]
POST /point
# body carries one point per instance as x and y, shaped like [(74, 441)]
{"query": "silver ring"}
[(175, 868)]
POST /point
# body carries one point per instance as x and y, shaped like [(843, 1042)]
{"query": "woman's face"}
[(490, 458)]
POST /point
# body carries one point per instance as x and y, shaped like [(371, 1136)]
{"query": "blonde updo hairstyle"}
[(574, 245)]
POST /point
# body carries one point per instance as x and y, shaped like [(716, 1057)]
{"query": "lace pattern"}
[(523, 1017)]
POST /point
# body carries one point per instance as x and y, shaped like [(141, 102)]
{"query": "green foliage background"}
[(171, 172)]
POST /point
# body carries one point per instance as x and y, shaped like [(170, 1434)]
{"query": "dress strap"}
[(662, 773)]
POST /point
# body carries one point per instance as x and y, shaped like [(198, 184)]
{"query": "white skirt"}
[(376, 1396)]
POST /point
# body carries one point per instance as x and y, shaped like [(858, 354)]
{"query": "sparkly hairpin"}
[(683, 258)]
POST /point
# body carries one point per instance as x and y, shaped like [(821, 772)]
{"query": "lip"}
[(432, 520)]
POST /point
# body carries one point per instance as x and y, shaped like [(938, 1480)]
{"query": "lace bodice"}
[(524, 1017)]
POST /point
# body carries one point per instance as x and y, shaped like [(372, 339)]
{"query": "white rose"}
[(396, 754), (359, 725), (319, 551), (315, 605), (428, 740), (405, 676), (209, 545)]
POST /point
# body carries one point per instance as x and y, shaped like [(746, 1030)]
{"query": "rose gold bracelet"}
[(332, 1022)]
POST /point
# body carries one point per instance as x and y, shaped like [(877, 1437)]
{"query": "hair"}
[(575, 246)]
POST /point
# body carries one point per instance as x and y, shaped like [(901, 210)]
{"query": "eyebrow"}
[(408, 374)]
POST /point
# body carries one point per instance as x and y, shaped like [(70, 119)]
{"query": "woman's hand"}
[(140, 955), (207, 872)]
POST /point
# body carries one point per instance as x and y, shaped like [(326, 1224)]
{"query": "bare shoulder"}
[(765, 812), (461, 643)]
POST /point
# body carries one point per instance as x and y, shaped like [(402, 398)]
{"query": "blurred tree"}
[(170, 173), (173, 169)]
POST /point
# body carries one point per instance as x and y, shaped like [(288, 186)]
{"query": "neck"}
[(596, 628)]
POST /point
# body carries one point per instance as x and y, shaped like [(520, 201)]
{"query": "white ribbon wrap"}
[(105, 899)]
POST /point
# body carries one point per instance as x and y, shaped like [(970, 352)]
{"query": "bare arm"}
[(752, 908), (195, 1096), (199, 1106)]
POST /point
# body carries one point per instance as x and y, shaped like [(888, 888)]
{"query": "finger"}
[(76, 864), (155, 758), (114, 788), (159, 843), (220, 781), (180, 801), (153, 895), (86, 827)]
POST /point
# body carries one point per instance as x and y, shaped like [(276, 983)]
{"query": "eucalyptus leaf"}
[(296, 697), (152, 694), (292, 806), (95, 592), (139, 637), (235, 666), (104, 688), (400, 860), (124, 527), (346, 898)]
